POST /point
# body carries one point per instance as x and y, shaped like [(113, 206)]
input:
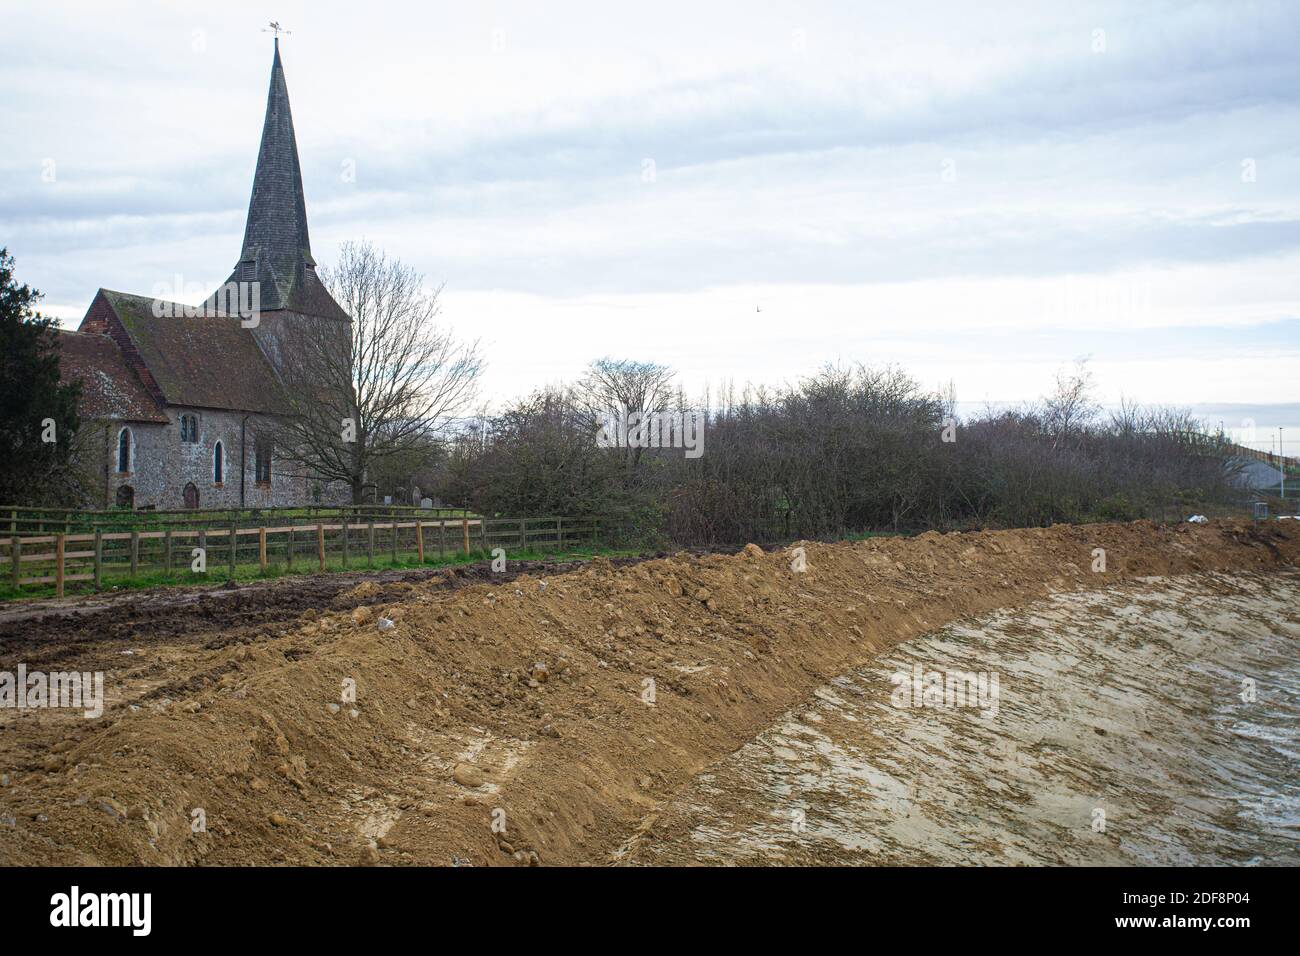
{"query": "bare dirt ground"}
[(570, 709), (1124, 732), (49, 633)]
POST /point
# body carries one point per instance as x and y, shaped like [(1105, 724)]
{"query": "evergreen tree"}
[(38, 415)]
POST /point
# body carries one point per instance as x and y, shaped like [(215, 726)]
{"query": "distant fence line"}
[(1288, 463), (17, 519), (93, 556)]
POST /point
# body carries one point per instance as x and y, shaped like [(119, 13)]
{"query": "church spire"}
[(277, 249), (277, 212)]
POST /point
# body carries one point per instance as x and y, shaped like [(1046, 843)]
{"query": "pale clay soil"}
[(524, 704), (1122, 733)]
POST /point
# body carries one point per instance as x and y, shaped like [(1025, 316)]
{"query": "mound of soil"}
[(542, 719)]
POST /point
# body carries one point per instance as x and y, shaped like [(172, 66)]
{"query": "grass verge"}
[(244, 573)]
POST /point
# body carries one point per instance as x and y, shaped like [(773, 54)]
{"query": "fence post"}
[(261, 548), (320, 545), (442, 538), (523, 534), (288, 550), (464, 528), (234, 549), (419, 539), (99, 559), (370, 545), (58, 564), (167, 550), (394, 541), (135, 552), (559, 533), (16, 555), (344, 518)]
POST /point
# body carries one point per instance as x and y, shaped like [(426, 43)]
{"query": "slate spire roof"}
[(277, 249), (135, 356)]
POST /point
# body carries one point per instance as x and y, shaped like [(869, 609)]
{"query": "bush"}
[(848, 450)]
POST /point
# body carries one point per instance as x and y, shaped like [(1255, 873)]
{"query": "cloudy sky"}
[(981, 192)]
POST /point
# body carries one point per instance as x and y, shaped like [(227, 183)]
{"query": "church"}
[(179, 403)]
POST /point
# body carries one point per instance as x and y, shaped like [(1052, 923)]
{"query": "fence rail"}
[(59, 558), (16, 519)]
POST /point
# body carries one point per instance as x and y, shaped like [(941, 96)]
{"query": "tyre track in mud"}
[(47, 633), (1154, 722)]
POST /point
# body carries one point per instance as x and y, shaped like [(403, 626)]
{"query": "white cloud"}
[(800, 154)]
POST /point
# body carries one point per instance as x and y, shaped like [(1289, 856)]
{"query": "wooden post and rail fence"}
[(62, 556), (21, 520)]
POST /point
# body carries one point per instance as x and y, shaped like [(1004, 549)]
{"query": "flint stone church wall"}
[(162, 465)]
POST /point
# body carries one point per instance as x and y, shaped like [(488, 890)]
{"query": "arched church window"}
[(218, 464), (124, 450)]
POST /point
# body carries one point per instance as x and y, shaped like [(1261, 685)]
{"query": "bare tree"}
[(380, 388), (623, 391), (1071, 405)]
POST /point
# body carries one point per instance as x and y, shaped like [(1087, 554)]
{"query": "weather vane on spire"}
[(274, 27)]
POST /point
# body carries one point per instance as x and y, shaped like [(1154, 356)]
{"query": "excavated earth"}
[(562, 715)]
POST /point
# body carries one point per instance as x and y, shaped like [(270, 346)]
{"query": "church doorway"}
[(191, 496), (126, 497)]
